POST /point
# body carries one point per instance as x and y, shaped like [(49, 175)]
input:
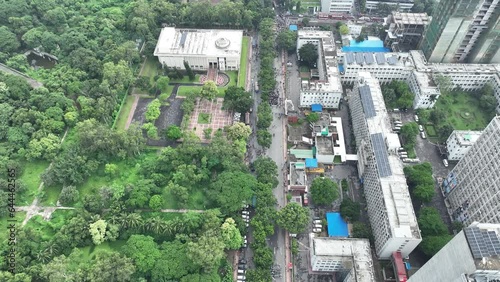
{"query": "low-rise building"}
[(380, 169), (459, 143), (349, 259), (200, 48), (329, 139), (472, 255), (354, 29), (406, 28), (325, 87)]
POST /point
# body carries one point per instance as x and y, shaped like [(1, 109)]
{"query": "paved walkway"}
[(31, 81)]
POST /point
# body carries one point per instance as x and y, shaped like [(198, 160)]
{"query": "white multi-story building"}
[(402, 5), (354, 29), (385, 67), (426, 91), (390, 209), (329, 139), (337, 6), (349, 259), (201, 48), (472, 255), (459, 143), (473, 187), (325, 87), (421, 76)]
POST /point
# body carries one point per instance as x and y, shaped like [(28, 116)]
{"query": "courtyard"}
[(208, 115)]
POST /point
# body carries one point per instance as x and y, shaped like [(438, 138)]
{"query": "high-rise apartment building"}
[(463, 31), (472, 256), (473, 187), (380, 168)]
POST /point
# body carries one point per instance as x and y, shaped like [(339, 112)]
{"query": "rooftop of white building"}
[(410, 18), (354, 253), (390, 167), (206, 42), (465, 137), (379, 59), (422, 65), (426, 83), (329, 76), (298, 176)]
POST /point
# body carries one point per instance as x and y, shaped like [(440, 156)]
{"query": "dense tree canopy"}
[(293, 218), (420, 181), (237, 99), (309, 55), (324, 191)]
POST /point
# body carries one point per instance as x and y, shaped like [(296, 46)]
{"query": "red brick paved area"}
[(218, 117)]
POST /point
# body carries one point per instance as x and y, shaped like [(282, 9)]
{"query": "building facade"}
[(472, 255), (462, 27), (380, 169), (406, 28), (402, 5), (459, 143), (200, 48), (349, 259), (325, 87), (337, 6), (472, 188)]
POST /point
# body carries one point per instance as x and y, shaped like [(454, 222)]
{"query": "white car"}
[(416, 118), (317, 221), (421, 128), (317, 230), (422, 134), (445, 162), (245, 212)]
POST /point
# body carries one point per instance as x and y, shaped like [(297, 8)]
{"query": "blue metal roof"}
[(337, 227), (311, 163), (316, 108)]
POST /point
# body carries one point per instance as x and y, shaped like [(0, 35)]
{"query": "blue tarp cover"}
[(316, 108), (337, 227), (311, 163)]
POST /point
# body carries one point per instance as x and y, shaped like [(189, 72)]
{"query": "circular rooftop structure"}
[(222, 43)]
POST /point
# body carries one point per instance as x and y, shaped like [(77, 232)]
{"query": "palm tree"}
[(133, 221), (155, 225)]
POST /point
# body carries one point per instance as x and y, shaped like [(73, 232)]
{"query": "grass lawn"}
[(463, 111), (31, 178), (49, 228), (185, 79), (204, 118), (51, 195), (185, 91), (197, 200), (233, 77), (430, 130), (412, 154), (124, 113), (162, 215), (243, 62), (150, 69)]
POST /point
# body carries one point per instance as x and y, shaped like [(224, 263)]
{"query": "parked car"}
[(317, 230), (422, 134), (421, 128), (241, 271), (318, 226), (416, 118), (445, 162), (245, 212), (241, 277), (317, 221), (242, 266)]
